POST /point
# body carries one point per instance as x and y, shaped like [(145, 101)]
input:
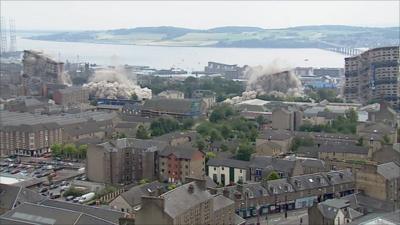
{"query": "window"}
[(215, 168)]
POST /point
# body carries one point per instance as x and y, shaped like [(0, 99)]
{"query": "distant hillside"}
[(239, 36)]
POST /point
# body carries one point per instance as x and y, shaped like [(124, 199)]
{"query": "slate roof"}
[(253, 190), (377, 128), (178, 134), (111, 216), (308, 181), (389, 218), (328, 211), (43, 215), (353, 149), (81, 129), (389, 170), (11, 196), (339, 177), (178, 200), (221, 201), (184, 151), (313, 163), (234, 163), (279, 135), (278, 186), (17, 119), (368, 204), (386, 154), (277, 164), (133, 196), (353, 214), (134, 143), (308, 151)]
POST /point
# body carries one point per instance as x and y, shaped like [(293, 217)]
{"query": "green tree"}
[(70, 150), (215, 135), (260, 120), (386, 139), (298, 141), (200, 144), (224, 147), (210, 155), (187, 123), (273, 176), (360, 141), (352, 115), (82, 149), (162, 126), (142, 133), (73, 192), (244, 152), (56, 150)]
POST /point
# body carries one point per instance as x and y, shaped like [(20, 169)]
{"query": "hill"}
[(239, 36)]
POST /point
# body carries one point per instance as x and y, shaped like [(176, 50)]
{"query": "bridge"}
[(340, 49), (345, 51)]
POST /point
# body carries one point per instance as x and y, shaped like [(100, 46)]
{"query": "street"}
[(279, 218)]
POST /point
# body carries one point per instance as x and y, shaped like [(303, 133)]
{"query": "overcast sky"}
[(96, 15)]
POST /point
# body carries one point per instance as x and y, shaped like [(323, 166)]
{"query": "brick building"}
[(176, 163), (71, 95)]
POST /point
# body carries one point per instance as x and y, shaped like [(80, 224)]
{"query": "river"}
[(187, 58)]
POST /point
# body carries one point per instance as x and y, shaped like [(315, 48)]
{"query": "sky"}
[(100, 15)]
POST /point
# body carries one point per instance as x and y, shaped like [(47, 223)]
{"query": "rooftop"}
[(178, 200), (389, 170)]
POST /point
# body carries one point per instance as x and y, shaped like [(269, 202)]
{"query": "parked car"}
[(54, 195), (69, 198), (65, 187), (15, 171), (76, 199), (43, 189)]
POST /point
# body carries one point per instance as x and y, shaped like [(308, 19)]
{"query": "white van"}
[(86, 197)]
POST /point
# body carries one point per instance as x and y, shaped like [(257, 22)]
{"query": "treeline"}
[(69, 151), (346, 124), (226, 125), (224, 88), (162, 126)]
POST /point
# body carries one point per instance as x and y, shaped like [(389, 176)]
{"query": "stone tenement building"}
[(188, 204), (374, 75)]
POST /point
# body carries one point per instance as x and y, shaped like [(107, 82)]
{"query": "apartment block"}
[(123, 161), (373, 75)]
